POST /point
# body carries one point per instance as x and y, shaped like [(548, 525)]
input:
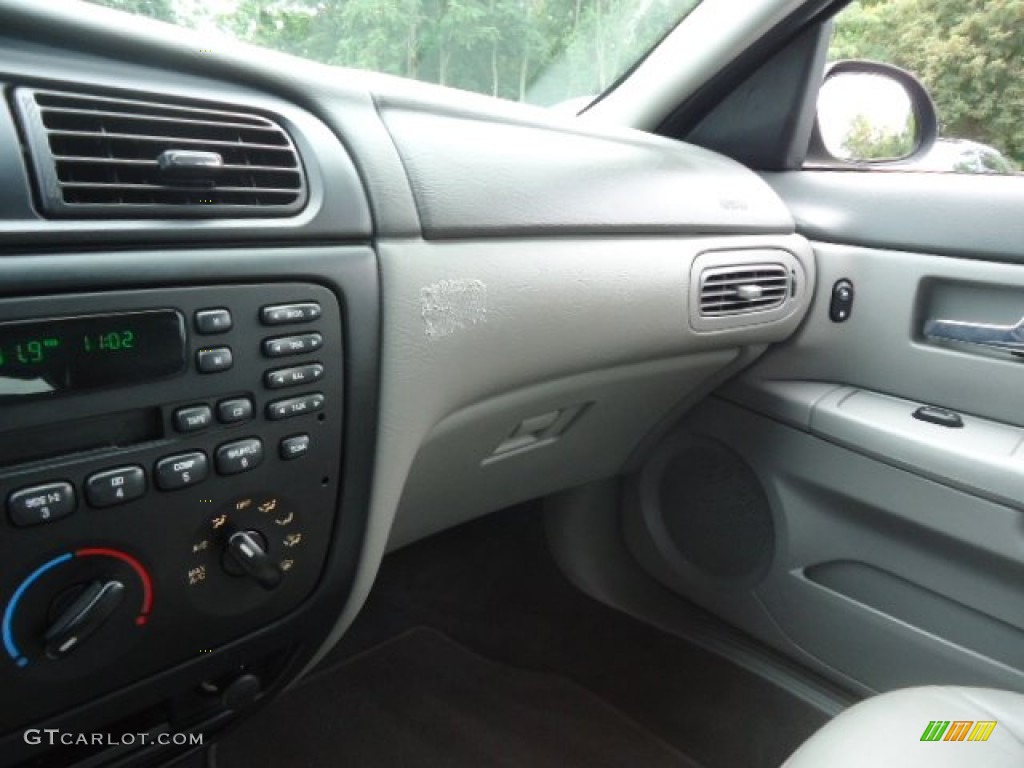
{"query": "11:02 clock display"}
[(47, 357), (111, 342), (32, 351)]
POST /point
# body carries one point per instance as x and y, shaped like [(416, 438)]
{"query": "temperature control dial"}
[(67, 605), (96, 602)]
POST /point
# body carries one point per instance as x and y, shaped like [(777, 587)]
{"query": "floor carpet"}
[(521, 664), (423, 700)]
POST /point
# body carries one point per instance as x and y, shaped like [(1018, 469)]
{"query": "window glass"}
[(547, 52)]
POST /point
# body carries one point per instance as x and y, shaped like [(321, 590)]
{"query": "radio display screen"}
[(62, 355)]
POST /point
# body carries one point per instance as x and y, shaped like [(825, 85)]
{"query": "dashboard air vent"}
[(743, 289), (98, 156)]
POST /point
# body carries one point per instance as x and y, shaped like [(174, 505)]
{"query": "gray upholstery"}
[(886, 731)]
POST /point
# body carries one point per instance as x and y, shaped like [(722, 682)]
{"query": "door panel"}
[(962, 215), (897, 545), (881, 347)]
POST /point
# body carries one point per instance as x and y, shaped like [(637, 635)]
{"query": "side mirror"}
[(871, 113)]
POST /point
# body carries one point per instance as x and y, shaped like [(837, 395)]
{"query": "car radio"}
[(169, 470)]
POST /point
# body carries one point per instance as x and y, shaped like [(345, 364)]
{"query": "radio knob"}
[(246, 555)]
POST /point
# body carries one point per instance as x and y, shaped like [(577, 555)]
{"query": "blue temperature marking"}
[(9, 644)]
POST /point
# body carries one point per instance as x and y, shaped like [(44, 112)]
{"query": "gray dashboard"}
[(535, 271), (542, 175)]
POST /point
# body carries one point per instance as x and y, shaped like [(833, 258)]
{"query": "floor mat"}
[(493, 587), (423, 700)]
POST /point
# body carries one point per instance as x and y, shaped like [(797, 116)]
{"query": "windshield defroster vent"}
[(96, 156)]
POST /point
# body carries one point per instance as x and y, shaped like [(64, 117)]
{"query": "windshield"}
[(544, 52)]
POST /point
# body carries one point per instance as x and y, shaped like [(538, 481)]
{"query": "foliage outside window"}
[(865, 140), (540, 51), (969, 55)]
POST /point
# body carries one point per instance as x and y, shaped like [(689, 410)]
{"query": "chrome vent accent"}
[(98, 156), (743, 289)]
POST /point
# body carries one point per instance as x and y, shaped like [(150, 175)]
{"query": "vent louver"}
[(743, 289), (98, 156)]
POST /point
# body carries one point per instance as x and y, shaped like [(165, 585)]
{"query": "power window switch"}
[(940, 416)]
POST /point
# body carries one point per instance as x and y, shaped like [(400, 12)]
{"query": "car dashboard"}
[(262, 321)]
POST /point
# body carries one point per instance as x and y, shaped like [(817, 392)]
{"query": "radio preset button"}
[(115, 486), (239, 456), (41, 503), (283, 314), (295, 446), (212, 321), (282, 346), (181, 471), (293, 377), (234, 411), (214, 359), (295, 406), (193, 418)]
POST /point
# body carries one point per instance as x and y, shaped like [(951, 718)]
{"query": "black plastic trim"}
[(336, 207), (51, 188), (766, 122), (348, 271)]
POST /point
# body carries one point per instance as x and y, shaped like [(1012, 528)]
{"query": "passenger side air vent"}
[(97, 156), (739, 288)]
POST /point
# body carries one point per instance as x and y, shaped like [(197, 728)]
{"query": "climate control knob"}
[(79, 610), (248, 551), (86, 613), (245, 554)]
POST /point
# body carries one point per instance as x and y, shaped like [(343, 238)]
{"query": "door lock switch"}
[(841, 306)]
